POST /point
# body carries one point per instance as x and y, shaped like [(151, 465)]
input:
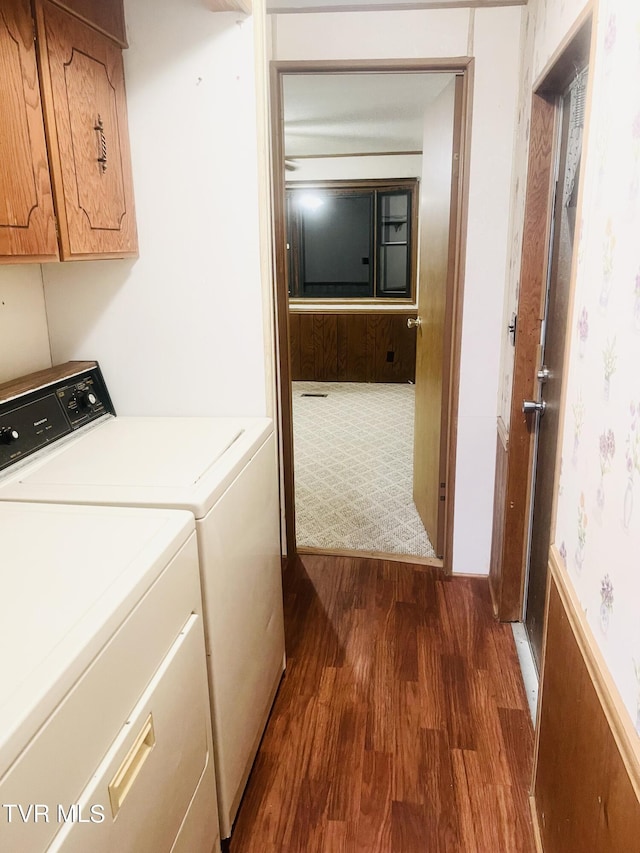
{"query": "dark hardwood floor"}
[(401, 724)]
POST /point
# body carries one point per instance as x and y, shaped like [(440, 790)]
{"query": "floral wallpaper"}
[(598, 514), (598, 511), (544, 24), (518, 191)]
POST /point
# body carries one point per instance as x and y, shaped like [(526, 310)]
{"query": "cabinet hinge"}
[(443, 491)]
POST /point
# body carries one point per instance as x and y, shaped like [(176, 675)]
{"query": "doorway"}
[(545, 409), (434, 307), (528, 464)]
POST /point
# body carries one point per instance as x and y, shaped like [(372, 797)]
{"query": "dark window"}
[(350, 242)]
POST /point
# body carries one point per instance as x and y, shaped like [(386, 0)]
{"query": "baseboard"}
[(374, 555), (536, 826)]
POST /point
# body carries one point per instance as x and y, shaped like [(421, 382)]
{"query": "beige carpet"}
[(353, 468)]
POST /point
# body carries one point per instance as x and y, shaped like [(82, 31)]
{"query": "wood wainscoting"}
[(363, 347), (586, 788)]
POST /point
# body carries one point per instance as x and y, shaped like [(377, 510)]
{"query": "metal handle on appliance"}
[(131, 766), (413, 322), (531, 406)]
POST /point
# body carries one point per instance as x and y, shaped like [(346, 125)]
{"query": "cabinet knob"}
[(413, 322)]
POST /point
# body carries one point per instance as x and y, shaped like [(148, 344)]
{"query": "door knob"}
[(530, 406), (413, 322), (544, 374)]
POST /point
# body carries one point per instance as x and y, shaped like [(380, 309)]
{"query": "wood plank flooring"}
[(401, 724)]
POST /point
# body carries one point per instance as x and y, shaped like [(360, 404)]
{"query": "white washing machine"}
[(61, 442), (105, 732)]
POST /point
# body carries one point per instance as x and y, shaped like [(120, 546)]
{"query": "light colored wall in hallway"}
[(24, 340), (180, 330), (598, 514), (356, 168), (493, 37)]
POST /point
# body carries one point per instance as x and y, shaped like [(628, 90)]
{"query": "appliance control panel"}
[(47, 406)]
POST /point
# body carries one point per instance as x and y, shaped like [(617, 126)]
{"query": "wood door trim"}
[(454, 65), (281, 298), (463, 65), (508, 575), (452, 339), (508, 582)]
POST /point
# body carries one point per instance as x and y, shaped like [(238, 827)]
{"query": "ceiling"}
[(282, 6), (357, 113)]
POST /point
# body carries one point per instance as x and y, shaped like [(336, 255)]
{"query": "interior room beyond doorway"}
[(352, 166)]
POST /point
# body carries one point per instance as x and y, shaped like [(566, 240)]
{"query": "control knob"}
[(86, 399), (8, 435)]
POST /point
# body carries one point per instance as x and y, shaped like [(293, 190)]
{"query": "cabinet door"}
[(104, 15), (27, 224), (86, 120)]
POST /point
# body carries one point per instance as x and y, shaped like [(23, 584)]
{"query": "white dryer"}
[(60, 442), (105, 733)]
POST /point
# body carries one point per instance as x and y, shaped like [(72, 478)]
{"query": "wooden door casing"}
[(86, 121), (555, 321), (463, 66), (27, 221), (512, 498)]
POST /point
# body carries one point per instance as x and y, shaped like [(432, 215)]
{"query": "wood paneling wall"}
[(584, 795), (343, 347)]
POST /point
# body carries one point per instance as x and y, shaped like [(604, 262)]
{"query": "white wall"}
[(496, 44), (493, 37), (356, 168), (180, 330), (24, 342), (369, 35)]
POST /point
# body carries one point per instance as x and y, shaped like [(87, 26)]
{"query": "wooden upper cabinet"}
[(82, 78), (27, 223), (104, 15)]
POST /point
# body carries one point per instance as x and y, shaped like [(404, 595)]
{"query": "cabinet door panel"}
[(86, 121), (93, 122), (27, 224)]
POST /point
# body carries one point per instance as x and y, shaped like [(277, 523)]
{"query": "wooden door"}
[(86, 119), (438, 213), (27, 223), (552, 358)]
